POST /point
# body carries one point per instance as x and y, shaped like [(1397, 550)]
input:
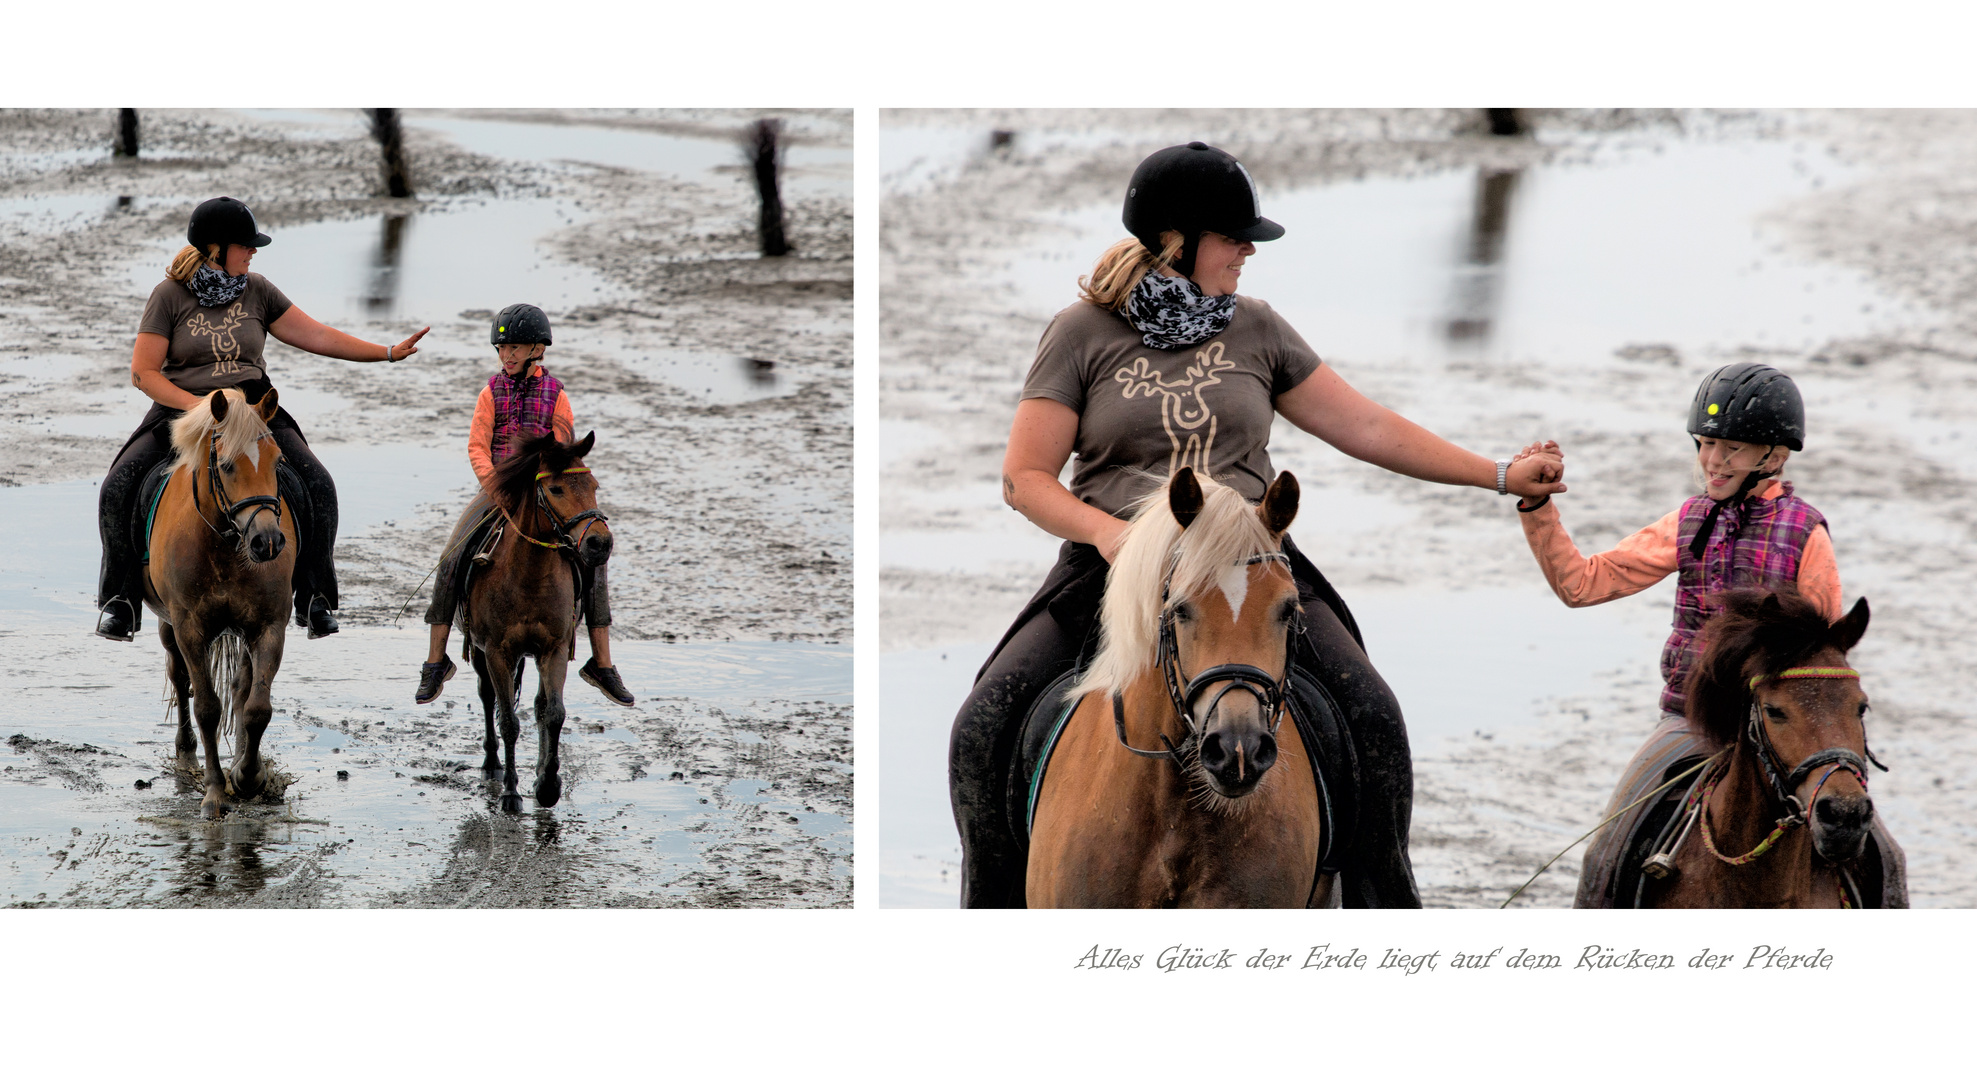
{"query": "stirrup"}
[(115, 624), (486, 554)]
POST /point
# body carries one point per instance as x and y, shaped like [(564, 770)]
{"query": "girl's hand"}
[(1549, 446), (1536, 473), (409, 346)]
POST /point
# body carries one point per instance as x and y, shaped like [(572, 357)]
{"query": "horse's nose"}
[(596, 549), (266, 545), (1843, 814), (1236, 760)]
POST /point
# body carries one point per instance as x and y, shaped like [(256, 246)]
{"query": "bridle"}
[(231, 529), (1271, 691), (1784, 783), (559, 525)]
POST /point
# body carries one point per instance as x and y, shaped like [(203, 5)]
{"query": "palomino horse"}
[(222, 555), (1780, 816), (526, 601), (1160, 790)]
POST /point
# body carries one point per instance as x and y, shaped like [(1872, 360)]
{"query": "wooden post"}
[(125, 142), (765, 155), (1505, 122), (390, 134)]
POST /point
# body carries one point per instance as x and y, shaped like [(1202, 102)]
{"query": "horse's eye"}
[(1184, 612), (556, 491), (1773, 712), (226, 467), (1863, 710)]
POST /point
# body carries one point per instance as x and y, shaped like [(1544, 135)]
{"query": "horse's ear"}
[(1279, 504), (582, 448), (269, 402), (1846, 632), (1184, 496), (218, 406)]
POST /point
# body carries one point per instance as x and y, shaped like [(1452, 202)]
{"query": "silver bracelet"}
[(1503, 478), (389, 360)]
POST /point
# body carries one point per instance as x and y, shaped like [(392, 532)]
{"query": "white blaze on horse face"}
[(1234, 584)]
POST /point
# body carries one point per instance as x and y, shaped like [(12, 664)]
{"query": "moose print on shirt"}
[(1183, 410), (220, 337)]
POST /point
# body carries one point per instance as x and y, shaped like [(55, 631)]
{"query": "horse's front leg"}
[(500, 672), (187, 743), (490, 746), (549, 726), (206, 710), (254, 704)]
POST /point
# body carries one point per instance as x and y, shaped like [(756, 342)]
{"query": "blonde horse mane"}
[(240, 432), (1226, 533)]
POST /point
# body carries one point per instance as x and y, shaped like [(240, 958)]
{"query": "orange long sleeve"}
[(1649, 555), (480, 433)]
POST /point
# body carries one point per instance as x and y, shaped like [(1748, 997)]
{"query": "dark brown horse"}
[(1781, 816), (222, 555), (1175, 783), (525, 601)]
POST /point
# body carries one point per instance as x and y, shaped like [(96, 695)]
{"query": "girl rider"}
[(204, 329), (519, 402), (1161, 364)]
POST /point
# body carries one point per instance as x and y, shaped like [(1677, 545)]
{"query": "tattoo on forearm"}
[(1008, 489)]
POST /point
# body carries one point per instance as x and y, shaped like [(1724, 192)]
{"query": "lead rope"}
[(1685, 774)]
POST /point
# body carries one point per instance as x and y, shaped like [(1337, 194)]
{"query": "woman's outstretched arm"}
[(1326, 406), (1040, 442), (296, 328)]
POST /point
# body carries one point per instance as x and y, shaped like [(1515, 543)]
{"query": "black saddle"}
[(1320, 725), (152, 489)]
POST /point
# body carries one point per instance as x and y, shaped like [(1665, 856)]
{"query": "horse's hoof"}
[(245, 787), (492, 766), (211, 807), (511, 804), (548, 790)]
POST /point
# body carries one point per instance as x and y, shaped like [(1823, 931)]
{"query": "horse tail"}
[(227, 663)]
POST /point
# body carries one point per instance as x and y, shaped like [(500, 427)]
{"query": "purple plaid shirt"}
[(523, 408), (1755, 542)]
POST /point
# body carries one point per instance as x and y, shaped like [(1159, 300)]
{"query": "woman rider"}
[(203, 330), (1159, 365)]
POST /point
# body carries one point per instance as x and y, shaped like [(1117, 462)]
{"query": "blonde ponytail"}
[(1118, 272), (186, 263)]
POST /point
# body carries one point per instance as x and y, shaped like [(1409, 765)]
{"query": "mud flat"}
[(1575, 283), (718, 384)]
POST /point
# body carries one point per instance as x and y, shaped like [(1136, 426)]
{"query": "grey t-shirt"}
[(1207, 406), (214, 347)]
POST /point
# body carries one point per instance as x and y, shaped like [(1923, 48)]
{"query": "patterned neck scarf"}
[(1172, 312), (214, 286)]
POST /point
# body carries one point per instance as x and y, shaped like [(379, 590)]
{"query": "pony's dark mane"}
[(513, 478), (1756, 632)]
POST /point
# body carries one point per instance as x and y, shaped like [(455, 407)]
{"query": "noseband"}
[(561, 526), (1272, 692), (230, 529)]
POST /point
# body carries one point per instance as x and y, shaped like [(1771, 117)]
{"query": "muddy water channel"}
[(1574, 286), (718, 386)]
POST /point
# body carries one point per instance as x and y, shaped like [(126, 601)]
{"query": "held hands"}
[(1537, 471), (407, 347)]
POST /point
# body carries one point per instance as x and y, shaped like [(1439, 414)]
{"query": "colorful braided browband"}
[(1808, 673)]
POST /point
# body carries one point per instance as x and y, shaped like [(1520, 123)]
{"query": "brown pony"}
[(525, 602), (1161, 790), (222, 554), (1782, 812)]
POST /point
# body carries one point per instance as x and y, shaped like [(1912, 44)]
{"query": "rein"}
[(224, 503), (1272, 692)]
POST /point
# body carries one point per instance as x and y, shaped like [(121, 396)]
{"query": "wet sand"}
[(719, 387), (1836, 246)]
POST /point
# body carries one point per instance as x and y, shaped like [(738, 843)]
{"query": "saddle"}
[(1320, 725), (1612, 876), (152, 489)]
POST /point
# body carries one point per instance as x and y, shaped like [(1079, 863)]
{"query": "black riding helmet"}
[(1194, 189), (223, 221), (1749, 403), (520, 324)]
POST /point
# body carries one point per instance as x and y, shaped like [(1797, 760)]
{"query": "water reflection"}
[(382, 294), (1477, 289)]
